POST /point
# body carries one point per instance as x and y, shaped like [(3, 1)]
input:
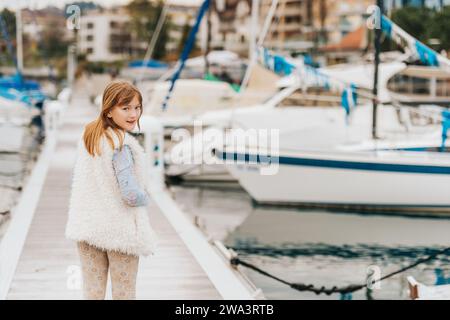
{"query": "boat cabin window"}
[(317, 97), (443, 87), (401, 83), (312, 97)]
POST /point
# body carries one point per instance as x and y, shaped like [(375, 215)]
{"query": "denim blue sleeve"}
[(131, 192)]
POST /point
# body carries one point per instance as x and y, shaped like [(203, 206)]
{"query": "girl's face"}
[(126, 116)]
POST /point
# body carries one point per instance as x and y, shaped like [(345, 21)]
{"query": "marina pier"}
[(37, 262)]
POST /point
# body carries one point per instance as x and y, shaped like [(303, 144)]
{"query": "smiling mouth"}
[(131, 122)]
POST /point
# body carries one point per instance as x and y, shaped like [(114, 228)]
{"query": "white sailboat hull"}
[(374, 182)]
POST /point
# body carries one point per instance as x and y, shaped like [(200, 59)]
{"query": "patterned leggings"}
[(95, 263)]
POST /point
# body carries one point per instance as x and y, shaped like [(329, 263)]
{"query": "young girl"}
[(107, 210)]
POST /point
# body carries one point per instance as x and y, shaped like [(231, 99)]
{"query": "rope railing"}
[(235, 261)]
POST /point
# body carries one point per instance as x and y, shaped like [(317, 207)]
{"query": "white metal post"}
[(71, 65), (254, 27), (19, 45), (52, 115)]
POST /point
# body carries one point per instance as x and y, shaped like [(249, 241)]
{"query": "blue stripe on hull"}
[(419, 211), (350, 165)]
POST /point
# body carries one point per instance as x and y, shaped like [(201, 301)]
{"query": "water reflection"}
[(18, 151), (318, 247)]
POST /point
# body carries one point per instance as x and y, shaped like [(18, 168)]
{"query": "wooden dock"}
[(48, 262)]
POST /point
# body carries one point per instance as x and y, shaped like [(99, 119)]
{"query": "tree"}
[(425, 23), (144, 18), (184, 36), (52, 43), (414, 20), (9, 18), (439, 28)]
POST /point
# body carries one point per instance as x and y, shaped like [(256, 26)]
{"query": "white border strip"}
[(12, 243), (220, 274)]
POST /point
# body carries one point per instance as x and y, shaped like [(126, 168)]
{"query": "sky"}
[(12, 4)]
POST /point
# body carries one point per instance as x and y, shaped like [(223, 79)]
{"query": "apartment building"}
[(181, 15), (231, 25), (105, 36)]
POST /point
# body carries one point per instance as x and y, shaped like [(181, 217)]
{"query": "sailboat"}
[(20, 99), (401, 172)]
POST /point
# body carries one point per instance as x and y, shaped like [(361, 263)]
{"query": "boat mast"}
[(19, 46), (253, 30), (208, 41), (377, 41)]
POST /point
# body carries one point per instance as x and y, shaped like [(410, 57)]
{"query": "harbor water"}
[(20, 149), (319, 247)]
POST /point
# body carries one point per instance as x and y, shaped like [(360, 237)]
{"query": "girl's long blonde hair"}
[(116, 93)]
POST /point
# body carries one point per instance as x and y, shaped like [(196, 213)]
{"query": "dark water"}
[(319, 247)]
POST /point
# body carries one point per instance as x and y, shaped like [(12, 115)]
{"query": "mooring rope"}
[(342, 290)]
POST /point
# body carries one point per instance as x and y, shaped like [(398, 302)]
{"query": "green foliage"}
[(414, 20), (184, 36), (10, 20), (425, 24), (440, 28), (49, 50), (52, 43)]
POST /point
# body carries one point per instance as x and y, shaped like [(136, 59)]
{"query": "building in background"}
[(291, 26), (394, 4), (231, 25), (332, 20), (350, 49), (104, 35), (339, 26), (34, 22), (182, 17), (298, 25)]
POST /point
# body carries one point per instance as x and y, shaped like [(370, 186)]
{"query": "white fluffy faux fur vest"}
[(97, 213)]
